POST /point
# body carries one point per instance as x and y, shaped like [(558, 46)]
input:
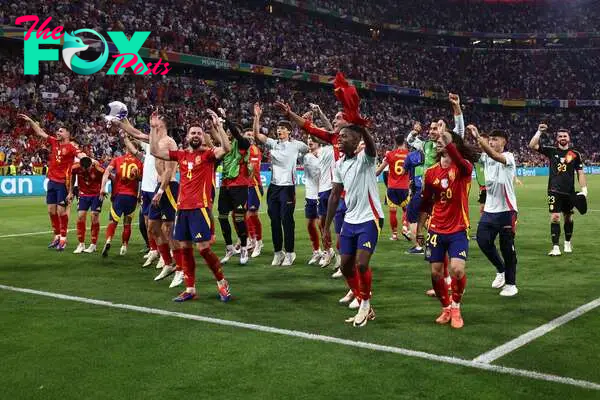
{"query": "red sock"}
[(213, 263), (249, 226), (446, 273), (110, 230), (165, 253), (152, 242), (441, 290), (189, 267), (81, 230), (366, 279), (353, 282), (404, 220), (126, 234), (178, 256), (257, 226), (313, 233), (64, 224), (95, 232), (55, 222), (458, 288), (394, 220)]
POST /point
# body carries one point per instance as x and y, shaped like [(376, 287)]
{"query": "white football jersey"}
[(311, 176)]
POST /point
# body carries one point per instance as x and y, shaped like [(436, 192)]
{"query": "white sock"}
[(455, 304)]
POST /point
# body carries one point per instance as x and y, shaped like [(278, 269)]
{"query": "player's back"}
[(450, 193), (398, 178), (128, 173)]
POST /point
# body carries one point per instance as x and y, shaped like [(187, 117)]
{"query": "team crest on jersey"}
[(570, 156), (445, 183), (198, 160), (562, 160)]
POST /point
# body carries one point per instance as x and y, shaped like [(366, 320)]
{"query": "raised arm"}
[(459, 121), (463, 165), (324, 120), (256, 125), (130, 130), (243, 143), (472, 129), (34, 125), (370, 147), (130, 146), (413, 137), (225, 146), (168, 172), (534, 143), (381, 167), (105, 178), (155, 149)]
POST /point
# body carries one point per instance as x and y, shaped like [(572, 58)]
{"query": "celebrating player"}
[(398, 181), (414, 168), (61, 159), (364, 216), (446, 199), (281, 195), (88, 174), (311, 195), (192, 221), (500, 212), (564, 163), (255, 193), (128, 171)]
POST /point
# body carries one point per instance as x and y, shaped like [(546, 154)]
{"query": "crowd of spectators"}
[(246, 31), (57, 96), (524, 16)]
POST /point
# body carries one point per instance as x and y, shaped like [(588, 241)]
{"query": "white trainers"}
[(123, 250), (371, 317), (509, 291), (278, 258), (338, 261), (243, 256), (337, 274), (258, 246), (229, 252), (555, 252), (91, 249), (315, 257), (80, 248), (567, 247), (362, 317), (394, 237), (166, 271), (354, 304), (237, 248), (160, 264), (347, 299), (250, 244), (152, 256), (177, 279), (498, 281), (327, 257), (289, 259)]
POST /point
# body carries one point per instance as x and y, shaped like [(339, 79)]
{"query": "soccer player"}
[(480, 176), (281, 195), (445, 202), (398, 181), (233, 195), (564, 163), (414, 168), (192, 221), (255, 193), (88, 174), (61, 159), (499, 216), (311, 194), (128, 170), (355, 174)]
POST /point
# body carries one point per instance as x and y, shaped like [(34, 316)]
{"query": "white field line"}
[(508, 347), (320, 338)]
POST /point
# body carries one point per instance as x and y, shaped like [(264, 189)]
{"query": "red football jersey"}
[(128, 174), (89, 181), (243, 178), (196, 169), (446, 194), (62, 157), (255, 160), (397, 178), (326, 136)]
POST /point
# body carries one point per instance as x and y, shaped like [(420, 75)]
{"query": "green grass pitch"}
[(57, 349)]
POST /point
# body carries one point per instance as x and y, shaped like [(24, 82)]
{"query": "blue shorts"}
[(496, 221), (412, 209), (90, 203), (192, 225), (57, 193), (167, 207), (122, 204), (310, 209), (146, 202), (323, 201), (398, 197), (356, 237), (340, 214), (438, 244), (255, 194)]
